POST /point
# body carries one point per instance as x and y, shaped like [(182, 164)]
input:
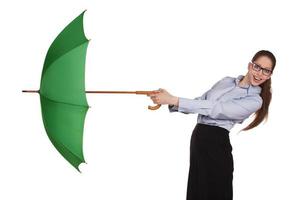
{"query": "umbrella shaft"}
[(103, 92), (120, 92)]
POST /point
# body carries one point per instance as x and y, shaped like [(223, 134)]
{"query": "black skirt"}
[(211, 164)]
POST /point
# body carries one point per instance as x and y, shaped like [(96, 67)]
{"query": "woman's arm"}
[(163, 97), (175, 108), (236, 109)]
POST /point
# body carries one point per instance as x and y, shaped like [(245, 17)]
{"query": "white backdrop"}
[(134, 153)]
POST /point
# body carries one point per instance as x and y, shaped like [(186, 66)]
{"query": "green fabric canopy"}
[(62, 91)]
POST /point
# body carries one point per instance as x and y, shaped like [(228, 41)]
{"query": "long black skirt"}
[(211, 164)]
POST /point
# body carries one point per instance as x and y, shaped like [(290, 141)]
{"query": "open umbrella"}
[(62, 92)]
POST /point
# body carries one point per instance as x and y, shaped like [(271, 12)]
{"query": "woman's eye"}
[(257, 67), (266, 71)]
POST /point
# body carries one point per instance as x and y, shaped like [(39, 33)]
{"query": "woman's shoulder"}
[(225, 80), (229, 78)]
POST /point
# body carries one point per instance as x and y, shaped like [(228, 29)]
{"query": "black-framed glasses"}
[(257, 68)]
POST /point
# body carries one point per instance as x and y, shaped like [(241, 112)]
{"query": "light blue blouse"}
[(225, 104)]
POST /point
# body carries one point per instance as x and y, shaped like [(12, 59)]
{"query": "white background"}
[(134, 153)]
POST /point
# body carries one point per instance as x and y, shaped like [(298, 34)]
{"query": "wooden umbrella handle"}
[(156, 107)]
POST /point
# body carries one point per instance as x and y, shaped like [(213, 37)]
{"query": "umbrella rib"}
[(63, 102), (72, 152), (49, 65)]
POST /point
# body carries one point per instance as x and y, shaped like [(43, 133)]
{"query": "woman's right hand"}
[(163, 97)]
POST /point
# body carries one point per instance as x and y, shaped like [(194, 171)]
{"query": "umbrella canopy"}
[(62, 91)]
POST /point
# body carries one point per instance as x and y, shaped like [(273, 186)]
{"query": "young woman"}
[(229, 101)]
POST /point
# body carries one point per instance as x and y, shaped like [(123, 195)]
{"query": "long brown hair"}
[(266, 92)]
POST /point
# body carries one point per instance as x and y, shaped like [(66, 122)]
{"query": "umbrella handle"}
[(156, 107)]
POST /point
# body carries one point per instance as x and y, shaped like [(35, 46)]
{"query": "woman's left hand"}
[(162, 97)]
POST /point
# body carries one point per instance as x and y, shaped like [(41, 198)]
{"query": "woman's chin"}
[(256, 83)]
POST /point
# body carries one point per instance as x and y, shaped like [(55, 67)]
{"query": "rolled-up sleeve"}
[(237, 109)]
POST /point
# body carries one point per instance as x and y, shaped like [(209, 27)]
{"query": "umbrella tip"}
[(31, 91), (78, 167)]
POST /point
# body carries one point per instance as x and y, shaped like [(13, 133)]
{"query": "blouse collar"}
[(250, 88)]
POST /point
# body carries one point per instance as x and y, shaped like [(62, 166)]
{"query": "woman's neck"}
[(244, 81)]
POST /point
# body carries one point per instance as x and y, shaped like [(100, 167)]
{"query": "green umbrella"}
[(62, 92)]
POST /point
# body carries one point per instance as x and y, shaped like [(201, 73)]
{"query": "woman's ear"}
[(249, 64)]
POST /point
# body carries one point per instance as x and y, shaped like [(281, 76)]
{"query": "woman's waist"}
[(211, 133), (225, 124)]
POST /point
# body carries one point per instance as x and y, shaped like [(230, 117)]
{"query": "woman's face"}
[(258, 77)]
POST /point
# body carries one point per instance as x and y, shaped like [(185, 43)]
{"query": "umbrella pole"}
[(128, 92), (113, 92), (121, 92), (103, 92)]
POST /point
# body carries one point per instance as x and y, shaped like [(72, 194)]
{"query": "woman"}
[(229, 101)]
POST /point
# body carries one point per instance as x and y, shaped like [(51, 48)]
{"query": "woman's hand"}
[(162, 97)]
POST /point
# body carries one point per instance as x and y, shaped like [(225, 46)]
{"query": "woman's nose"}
[(260, 73)]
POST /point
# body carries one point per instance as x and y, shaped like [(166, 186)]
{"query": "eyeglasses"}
[(257, 68)]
